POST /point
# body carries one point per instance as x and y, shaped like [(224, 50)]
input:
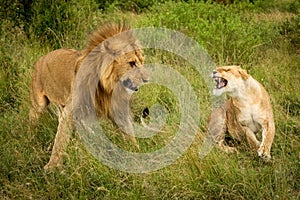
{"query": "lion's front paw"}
[(50, 166), (54, 163)]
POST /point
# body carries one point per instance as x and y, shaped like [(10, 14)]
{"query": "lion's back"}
[(54, 74)]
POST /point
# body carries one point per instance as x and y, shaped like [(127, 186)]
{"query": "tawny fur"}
[(112, 55), (247, 112)]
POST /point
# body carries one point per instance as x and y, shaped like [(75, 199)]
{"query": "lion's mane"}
[(98, 66)]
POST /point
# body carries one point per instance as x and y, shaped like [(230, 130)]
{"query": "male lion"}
[(245, 113), (113, 58)]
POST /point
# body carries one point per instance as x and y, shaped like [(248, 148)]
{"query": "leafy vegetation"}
[(262, 36)]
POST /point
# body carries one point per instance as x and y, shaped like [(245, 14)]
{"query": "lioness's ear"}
[(243, 73)]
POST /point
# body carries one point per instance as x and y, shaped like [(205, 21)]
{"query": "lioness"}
[(247, 111), (113, 58)]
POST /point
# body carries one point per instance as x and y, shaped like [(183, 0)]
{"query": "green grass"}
[(263, 39)]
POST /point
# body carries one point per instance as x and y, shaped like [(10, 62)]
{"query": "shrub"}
[(228, 35), (137, 6), (61, 18), (290, 30)]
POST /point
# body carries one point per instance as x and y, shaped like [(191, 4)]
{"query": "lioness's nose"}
[(215, 71)]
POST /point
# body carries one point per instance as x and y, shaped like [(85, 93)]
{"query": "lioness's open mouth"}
[(220, 82)]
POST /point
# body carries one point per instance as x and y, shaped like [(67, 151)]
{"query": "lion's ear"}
[(243, 73)]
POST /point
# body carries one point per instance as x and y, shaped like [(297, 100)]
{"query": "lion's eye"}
[(132, 64)]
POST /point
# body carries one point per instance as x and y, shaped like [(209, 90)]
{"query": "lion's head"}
[(228, 79), (127, 68), (112, 58)]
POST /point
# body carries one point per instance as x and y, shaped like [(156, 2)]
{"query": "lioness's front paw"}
[(266, 158), (228, 149), (264, 155)]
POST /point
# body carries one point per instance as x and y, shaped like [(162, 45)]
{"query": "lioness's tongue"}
[(221, 83)]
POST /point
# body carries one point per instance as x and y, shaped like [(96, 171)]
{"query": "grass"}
[(263, 39)]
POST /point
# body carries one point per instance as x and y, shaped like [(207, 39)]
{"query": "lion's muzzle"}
[(129, 84)]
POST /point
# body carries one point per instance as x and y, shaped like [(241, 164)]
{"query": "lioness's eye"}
[(132, 64)]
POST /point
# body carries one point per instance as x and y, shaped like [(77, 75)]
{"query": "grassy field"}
[(263, 37)]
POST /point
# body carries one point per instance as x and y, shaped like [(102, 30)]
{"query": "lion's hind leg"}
[(38, 104), (62, 138)]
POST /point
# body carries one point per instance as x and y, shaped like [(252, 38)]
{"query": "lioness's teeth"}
[(217, 79)]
